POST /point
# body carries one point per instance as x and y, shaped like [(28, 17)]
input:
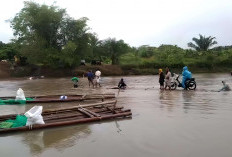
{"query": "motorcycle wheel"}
[(173, 86), (192, 85)]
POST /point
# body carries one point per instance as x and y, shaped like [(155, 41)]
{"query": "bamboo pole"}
[(91, 112), (96, 113), (57, 112), (83, 106), (85, 112), (60, 113), (47, 96), (75, 117), (71, 117), (85, 120)]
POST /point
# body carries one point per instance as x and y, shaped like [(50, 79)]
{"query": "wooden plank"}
[(85, 112), (76, 115), (91, 112), (70, 98), (83, 106)]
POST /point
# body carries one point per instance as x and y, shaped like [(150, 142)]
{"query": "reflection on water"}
[(167, 100), (117, 126), (165, 123), (59, 138), (188, 100)]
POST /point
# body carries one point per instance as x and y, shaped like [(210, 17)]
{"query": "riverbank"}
[(7, 71)]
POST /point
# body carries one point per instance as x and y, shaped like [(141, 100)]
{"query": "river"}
[(164, 123)]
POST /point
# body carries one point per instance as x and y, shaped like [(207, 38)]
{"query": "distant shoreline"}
[(107, 70)]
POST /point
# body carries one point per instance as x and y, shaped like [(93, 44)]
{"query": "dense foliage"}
[(7, 51), (176, 57), (46, 35)]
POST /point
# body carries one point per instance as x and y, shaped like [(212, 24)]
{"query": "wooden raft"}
[(73, 115), (70, 98)]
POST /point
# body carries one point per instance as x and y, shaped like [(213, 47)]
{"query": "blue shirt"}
[(90, 75)]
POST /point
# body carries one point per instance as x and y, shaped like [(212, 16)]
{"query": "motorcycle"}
[(189, 84)]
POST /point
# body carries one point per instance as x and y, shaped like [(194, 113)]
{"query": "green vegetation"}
[(203, 43), (46, 36), (218, 59)]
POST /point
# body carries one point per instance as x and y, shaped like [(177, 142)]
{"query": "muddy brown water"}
[(164, 123)]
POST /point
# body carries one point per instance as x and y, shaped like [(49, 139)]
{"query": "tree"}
[(76, 31), (37, 30), (45, 34), (170, 54), (35, 22), (69, 59), (1, 44), (114, 49), (203, 43), (145, 51), (8, 51), (97, 49)]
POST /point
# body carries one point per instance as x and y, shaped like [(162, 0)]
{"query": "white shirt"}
[(98, 73)]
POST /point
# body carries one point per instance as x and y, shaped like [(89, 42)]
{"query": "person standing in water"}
[(161, 79), (90, 77), (168, 79), (98, 76)]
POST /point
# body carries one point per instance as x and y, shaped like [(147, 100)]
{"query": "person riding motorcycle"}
[(186, 75)]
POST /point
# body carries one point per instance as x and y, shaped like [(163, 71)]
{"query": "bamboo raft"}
[(73, 115), (70, 98)]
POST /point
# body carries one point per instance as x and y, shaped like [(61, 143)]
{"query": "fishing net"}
[(31, 99), (5, 125), (19, 121), (13, 101)]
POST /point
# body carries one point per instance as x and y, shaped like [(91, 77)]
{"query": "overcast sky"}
[(141, 22)]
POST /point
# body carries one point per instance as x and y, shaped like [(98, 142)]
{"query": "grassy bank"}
[(4, 70), (7, 70)]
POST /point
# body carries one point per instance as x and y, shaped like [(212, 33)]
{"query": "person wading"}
[(225, 87), (75, 82), (98, 77), (121, 84), (90, 77), (168, 79), (161, 79)]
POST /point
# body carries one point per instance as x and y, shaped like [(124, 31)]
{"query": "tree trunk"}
[(113, 58)]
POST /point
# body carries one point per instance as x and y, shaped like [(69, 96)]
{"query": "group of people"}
[(166, 80), (94, 79)]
